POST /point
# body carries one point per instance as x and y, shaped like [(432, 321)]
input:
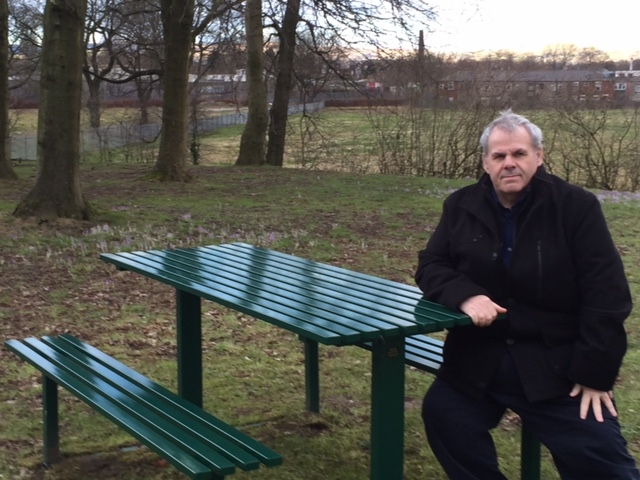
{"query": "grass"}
[(52, 282)]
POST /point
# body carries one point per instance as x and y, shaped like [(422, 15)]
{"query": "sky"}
[(465, 26)]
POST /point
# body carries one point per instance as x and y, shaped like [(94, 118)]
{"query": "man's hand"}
[(482, 310), (594, 399)]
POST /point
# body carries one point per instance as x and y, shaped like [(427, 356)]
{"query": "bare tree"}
[(591, 57), (219, 47), (595, 147), (99, 60), (280, 107), (57, 191), (559, 57), (177, 23), (6, 168), (138, 51), (25, 30), (253, 141), (179, 32), (354, 25)]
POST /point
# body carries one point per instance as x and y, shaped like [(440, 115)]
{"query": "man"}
[(530, 259)]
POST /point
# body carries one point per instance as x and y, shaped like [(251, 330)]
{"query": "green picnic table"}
[(321, 303)]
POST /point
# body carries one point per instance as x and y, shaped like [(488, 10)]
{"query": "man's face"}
[(511, 162)]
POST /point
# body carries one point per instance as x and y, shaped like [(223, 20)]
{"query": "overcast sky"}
[(520, 26)]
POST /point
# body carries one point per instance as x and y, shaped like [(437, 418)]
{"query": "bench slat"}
[(120, 417), (163, 415), (423, 352), (210, 422), (195, 442), (135, 407)]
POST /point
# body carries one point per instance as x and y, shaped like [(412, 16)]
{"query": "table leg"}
[(530, 456), (387, 409), (50, 421), (312, 374), (189, 334)]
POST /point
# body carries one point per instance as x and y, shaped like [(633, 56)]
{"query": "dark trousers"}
[(458, 427)]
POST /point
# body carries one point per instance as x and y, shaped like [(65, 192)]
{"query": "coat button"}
[(511, 341)]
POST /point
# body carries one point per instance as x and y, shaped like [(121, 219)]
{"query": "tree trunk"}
[(6, 168), (57, 191), (177, 21), (280, 108), (253, 141), (144, 89), (94, 102)]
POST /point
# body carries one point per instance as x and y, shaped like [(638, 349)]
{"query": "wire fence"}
[(25, 147)]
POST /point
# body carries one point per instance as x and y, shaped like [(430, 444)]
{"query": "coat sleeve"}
[(605, 300), (437, 274)]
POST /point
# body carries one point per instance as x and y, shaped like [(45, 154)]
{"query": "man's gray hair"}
[(510, 122)]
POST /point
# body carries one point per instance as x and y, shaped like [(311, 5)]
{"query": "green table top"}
[(328, 304)]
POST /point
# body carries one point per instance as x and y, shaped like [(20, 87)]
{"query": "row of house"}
[(530, 88), (542, 86)]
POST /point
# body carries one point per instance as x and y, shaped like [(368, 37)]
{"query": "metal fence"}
[(25, 147)]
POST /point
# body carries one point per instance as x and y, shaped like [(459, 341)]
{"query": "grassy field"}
[(597, 148), (52, 282)]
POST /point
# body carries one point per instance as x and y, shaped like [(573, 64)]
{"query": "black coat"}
[(565, 289)]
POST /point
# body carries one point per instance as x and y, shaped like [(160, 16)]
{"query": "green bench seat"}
[(423, 353), (198, 444)]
